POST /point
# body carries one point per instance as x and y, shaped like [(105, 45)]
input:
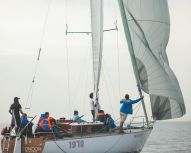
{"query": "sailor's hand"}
[(142, 96)]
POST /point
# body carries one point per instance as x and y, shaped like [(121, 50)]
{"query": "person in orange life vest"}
[(101, 116), (49, 125), (109, 123), (42, 117), (46, 124)]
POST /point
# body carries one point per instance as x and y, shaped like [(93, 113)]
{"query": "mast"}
[(131, 51), (97, 45)]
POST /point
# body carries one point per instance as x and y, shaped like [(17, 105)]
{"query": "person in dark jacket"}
[(126, 108), (15, 111)]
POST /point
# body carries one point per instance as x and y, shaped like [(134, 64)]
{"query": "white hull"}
[(117, 143)]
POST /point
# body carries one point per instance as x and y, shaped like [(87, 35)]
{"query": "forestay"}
[(97, 40), (149, 25)]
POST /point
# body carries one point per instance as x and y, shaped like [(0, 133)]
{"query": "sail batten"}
[(149, 27)]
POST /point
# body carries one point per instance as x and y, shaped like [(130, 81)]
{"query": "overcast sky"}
[(22, 32)]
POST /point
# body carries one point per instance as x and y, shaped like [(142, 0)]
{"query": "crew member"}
[(15, 110), (126, 108)]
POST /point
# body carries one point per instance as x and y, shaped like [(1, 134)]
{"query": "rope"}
[(56, 142), (45, 23), (114, 5), (31, 89), (67, 61), (86, 87), (68, 76), (137, 107), (119, 76), (107, 87)]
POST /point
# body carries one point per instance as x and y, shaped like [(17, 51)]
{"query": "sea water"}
[(169, 137)]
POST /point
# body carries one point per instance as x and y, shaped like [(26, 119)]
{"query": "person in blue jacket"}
[(76, 117), (109, 123), (126, 108), (25, 122)]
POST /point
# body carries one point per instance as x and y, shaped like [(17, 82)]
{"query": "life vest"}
[(4, 131), (42, 123), (100, 113)]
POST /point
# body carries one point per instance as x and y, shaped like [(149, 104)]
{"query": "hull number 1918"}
[(76, 144)]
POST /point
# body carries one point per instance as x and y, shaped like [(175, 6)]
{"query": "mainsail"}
[(149, 25), (97, 41)]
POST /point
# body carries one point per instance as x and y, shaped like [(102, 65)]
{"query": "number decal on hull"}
[(76, 144)]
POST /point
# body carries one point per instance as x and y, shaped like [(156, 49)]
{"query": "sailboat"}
[(146, 26)]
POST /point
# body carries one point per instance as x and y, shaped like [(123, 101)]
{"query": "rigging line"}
[(137, 107), (107, 91), (109, 80), (67, 60), (56, 142), (31, 89), (68, 75), (117, 38), (118, 63), (86, 86), (80, 80), (30, 93), (45, 23), (154, 21)]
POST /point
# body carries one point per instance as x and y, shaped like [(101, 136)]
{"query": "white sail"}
[(97, 40), (149, 26)]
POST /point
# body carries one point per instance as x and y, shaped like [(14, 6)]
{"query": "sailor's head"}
[(24, 115), (46, 114), (107, 115), (91, 95), (126, 96), (16, 99), (75, 112)]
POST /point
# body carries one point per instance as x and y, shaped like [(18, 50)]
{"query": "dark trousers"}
[(93, 114), (16, 120), (28, 131)]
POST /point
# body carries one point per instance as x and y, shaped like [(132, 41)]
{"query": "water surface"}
[(169, 137)]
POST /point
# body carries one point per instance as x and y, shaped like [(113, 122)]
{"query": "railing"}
[(140, 124)]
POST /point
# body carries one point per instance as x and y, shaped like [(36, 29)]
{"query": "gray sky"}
[(21, 30)]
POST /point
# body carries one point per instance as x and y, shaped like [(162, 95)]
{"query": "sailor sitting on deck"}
[(109, 123), (76, 117), (48, 126), (42, 117), (101, 116)]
